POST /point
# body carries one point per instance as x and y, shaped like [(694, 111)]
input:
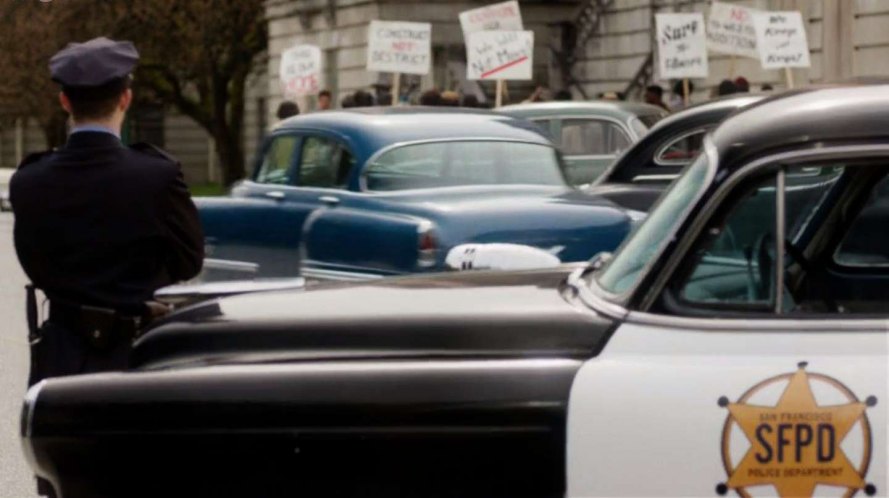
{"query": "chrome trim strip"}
[(589, 294), (675, 138), (755, 324), (28, 407), (230, 265), (653, 178), (780, 185), (345, 276), (838, 152)]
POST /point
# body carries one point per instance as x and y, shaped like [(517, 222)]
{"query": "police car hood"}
[(461, 314)]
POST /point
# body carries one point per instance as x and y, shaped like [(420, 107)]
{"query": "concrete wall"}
[(32, 141)]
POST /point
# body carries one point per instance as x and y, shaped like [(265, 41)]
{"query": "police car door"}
[(727, 385)]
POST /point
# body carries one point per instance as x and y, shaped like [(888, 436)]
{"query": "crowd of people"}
[(654, 95)]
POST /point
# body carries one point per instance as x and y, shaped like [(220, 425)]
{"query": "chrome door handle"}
[(275, 194), (329, 200)]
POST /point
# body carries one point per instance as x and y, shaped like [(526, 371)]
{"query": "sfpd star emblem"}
[(796, 445)]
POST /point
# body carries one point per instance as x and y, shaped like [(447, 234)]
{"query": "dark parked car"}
[(736, 342), (591, 134), (362, 194), (642, 173)]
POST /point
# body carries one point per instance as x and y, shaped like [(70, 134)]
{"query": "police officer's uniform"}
[(99, 227)]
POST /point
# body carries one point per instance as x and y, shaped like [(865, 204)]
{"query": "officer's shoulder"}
[(152, 150), (34, 158)]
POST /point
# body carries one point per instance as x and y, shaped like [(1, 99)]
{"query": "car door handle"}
[(275, 194), (329, 200)]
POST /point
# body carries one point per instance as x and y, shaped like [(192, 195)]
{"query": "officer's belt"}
[(100, 326)]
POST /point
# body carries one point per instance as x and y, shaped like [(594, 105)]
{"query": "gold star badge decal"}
[(796, 444)]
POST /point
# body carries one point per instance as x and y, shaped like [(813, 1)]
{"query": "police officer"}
[(99, 226)]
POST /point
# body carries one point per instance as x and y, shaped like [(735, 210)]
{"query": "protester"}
[(726, 87), (450, 99), (767, 87), (742, 84), (384, 99), (539, 95), (654, 95), (563, 95), (677, 98), (325, 100), (431, 97), (363, 99), (287, 109), (470, 101), (348, 101)]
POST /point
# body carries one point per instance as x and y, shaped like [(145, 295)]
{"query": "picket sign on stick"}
[(503, 16), (682, 46), (397, 48), (499, 56), (781, 39), (731, 67), (300, 71)]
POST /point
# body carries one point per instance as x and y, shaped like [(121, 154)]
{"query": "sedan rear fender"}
[(346, 239)]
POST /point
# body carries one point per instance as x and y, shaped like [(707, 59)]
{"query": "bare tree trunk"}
[(231, 154)]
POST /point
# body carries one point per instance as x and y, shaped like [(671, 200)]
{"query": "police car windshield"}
[(640, 248)]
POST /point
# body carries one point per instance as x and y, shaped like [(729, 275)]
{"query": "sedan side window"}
[(681, 150), (324, 163), (589, 137), (277, 163)]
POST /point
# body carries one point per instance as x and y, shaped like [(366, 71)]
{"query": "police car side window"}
[(277, 163), (865, 245), (734, 265)]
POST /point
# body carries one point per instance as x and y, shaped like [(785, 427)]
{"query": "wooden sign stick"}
[(685, 96), (396, 88), (498, 99), (788, 75), (731, 67)]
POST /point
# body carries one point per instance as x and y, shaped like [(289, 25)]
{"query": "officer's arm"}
[(186, 239)]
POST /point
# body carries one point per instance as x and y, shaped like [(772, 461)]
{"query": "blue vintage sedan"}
[(367, 193)]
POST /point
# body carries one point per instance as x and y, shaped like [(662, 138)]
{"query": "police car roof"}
[(373, 128), (813, 117)]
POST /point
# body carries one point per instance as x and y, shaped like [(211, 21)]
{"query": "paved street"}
[(15, 481)]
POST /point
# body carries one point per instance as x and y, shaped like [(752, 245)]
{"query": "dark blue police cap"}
[(93, 63)]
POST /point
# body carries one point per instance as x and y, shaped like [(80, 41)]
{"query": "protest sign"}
[(682, 45), (399, 47), (781, 40), (504, 16), (300, 71), (504, 55), (730, 30)]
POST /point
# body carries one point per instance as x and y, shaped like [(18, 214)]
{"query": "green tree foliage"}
[(197, 55)]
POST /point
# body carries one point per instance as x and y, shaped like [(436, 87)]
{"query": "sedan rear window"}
[(463, 163)]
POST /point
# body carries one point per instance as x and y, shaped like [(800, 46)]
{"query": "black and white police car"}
[(735, 344)]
